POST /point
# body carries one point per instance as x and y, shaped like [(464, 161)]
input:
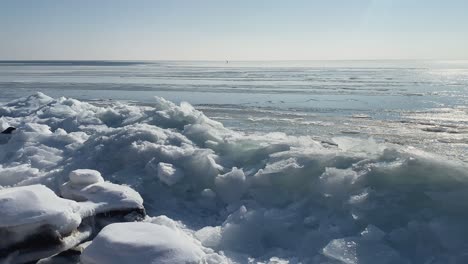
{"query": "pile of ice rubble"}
[(36, 223), (72, 174)]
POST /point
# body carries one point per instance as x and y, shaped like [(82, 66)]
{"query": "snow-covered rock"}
[(141, 243), (25, 210), (98, 197), (36, 223)]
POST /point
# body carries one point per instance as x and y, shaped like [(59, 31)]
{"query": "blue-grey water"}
[(415, 103)]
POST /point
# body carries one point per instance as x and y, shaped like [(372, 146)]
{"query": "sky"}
[(233, 30)]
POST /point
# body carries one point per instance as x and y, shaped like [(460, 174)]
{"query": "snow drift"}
[(239, 197)]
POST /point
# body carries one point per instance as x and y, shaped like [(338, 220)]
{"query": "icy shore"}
[(213, 195)]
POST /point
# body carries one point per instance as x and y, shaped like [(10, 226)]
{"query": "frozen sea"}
[(417, 103), (323, 162)]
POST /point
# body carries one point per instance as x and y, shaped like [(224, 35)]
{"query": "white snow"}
[(231, 186), (101, 197), (14, 174), (209, 236), (85, 177), (243, 197), (168, 174), (24, 210), (141, 243)]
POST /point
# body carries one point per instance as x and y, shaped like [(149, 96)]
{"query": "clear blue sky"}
[(233, 29)]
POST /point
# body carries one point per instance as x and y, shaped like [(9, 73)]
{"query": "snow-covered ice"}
[(141, 243), (96, 196), (168, 174), (221, 196), (28, 208), (85, 177), (36, 223)]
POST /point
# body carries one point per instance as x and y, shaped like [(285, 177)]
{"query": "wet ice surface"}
[(441, 130)]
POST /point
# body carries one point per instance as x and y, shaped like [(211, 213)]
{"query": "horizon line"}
[(222, 60)]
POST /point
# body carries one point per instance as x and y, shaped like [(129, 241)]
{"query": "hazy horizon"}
[(211, 30), (229, 61)]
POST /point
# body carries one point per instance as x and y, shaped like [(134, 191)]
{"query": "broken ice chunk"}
[(355, 250), (85, 177), (169, 174), (372, 233)]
